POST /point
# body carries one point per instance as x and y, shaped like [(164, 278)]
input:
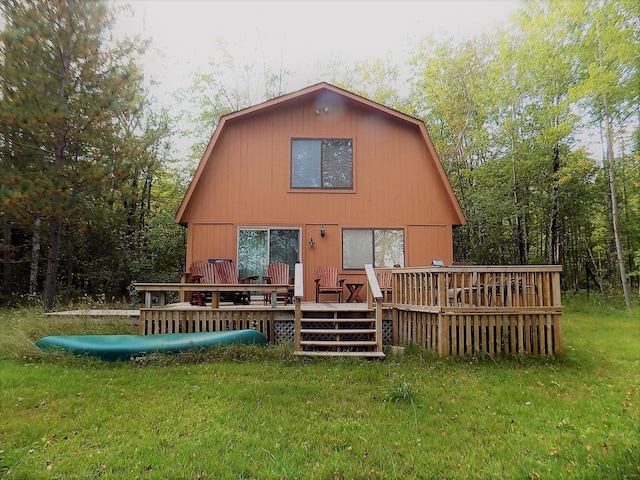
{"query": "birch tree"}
[(607, 38)]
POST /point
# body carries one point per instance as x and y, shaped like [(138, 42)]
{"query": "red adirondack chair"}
[(200, 271), (278, 272), (227, 272), (327, 282)]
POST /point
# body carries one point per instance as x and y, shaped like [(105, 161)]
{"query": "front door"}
[(257, 247)]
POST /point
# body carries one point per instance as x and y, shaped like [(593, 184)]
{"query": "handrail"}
[(374, 293), (373, 281), (299, 281), (508, 288), (215, 288), (373, 287), (298, 293)]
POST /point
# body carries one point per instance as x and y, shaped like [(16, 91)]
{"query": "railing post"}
[(298, 293), (557, 319), (374, 292), (378, 324), (443, 330)]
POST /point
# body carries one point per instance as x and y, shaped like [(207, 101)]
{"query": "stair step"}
[(333, 343), (338, 320), (336, 331), (340, 354)]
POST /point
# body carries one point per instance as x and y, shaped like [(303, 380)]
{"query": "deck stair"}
[(341, 332)]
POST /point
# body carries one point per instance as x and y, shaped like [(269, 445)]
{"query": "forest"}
[(90, 180)]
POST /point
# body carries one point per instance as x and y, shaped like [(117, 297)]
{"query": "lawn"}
[(255, 412)]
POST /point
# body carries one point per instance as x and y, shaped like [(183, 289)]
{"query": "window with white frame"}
[(259, 246), (380, 247), (322, 163)]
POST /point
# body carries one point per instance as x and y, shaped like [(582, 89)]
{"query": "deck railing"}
[(465, 310), (458, 310)]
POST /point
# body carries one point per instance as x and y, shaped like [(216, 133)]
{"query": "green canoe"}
[(123, 347)]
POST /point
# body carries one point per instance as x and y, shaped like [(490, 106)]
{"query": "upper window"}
[(378, 247), (322, 163)]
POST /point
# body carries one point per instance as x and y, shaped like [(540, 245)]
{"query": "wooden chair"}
[(200, 271), (227, 272), (461, 291), (385, 283), (278, 272), (327, 282)]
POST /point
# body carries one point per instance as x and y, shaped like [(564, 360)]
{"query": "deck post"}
[(378, 324), (215, 299), (443, 330), (298, 293), (395, 326), (557, 319)]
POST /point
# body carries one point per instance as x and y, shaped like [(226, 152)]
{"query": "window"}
[(379, 247), (257, 247), (326, 163)]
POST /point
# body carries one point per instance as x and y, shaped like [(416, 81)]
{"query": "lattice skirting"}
[(284, 331)]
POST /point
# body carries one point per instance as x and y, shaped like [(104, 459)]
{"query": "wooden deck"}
[(479, 310), (184, 317)]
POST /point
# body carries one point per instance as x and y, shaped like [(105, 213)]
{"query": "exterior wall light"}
[(323, 231)]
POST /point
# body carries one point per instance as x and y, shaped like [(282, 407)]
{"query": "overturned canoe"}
[(122, 347)]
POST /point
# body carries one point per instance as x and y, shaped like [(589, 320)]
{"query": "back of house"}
[(323, 177)]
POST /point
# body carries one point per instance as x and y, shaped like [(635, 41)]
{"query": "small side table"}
[(354, 291)]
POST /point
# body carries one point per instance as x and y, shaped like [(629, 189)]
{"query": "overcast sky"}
[(299, 35)]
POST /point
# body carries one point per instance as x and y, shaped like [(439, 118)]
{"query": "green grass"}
[(256, 412)]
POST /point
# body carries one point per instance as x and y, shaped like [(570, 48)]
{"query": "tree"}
[(607, 40), (377, 79), (227, 86), (65, 84)]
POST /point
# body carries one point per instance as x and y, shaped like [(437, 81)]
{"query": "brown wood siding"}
[(213, 241), (426, 243), (246, 182)]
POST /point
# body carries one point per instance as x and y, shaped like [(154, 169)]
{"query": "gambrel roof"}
[(317, 90)]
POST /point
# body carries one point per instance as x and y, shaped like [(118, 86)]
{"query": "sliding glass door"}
[(257, 247)]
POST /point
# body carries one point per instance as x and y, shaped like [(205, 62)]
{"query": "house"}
[(320, 176)]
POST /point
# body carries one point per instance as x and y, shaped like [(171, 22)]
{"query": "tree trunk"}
[(610, 160), (6, 255), (614, 203), (60, 154), (70, 257), (51, 280), (519, 228), (35, 257), (554, 243)]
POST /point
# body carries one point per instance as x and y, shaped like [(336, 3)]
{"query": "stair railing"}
[(298, 293), (374, 294)]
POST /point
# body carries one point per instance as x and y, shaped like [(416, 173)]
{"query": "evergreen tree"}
[(65, 84)]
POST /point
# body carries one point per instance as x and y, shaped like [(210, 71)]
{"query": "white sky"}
[(300, 35)]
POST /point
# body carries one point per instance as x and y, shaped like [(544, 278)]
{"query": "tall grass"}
[(260, 412)]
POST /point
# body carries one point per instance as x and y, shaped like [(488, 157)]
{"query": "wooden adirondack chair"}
[(200, 271), (327, 282), (227, 272), (278, 272), (385, 283)]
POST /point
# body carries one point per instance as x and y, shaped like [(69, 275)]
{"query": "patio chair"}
[(227, 272), (200, 271), (461, 292), (278, 272), (385, 283), (327, 282)]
